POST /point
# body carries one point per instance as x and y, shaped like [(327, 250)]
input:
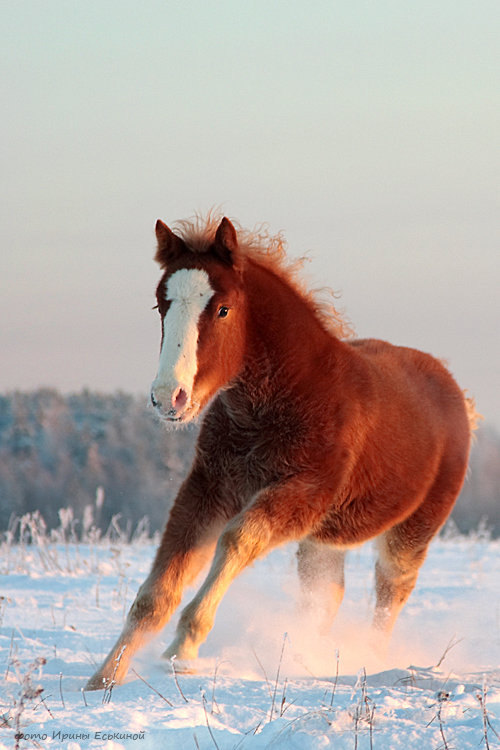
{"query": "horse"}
[(308, 435)]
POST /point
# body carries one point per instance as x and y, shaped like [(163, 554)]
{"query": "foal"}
[(306, 437)]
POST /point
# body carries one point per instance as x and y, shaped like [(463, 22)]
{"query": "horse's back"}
[(416, 378), (418, 400)]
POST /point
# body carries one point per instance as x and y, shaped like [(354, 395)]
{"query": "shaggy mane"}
[(267, 250)]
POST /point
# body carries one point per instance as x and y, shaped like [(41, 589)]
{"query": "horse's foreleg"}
[(272, 519), (238, 546), (187, 544), (154, 604), (321, 575)]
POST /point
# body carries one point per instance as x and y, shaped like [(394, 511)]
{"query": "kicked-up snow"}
[(266, 677)]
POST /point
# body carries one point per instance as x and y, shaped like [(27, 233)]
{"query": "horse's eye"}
[(223, 312)]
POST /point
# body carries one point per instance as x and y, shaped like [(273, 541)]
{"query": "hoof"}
[(181, 666), (97, 682)]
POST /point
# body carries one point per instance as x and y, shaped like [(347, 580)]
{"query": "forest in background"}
[(64, 451)]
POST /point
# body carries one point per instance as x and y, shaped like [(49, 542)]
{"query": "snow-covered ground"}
[(266, 678)]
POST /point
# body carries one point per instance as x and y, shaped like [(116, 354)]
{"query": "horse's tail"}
[(474, 416)]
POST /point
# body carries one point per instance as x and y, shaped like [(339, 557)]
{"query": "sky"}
[(367, 132)]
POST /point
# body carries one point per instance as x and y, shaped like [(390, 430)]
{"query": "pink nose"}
[(178, 402), (179, 399)]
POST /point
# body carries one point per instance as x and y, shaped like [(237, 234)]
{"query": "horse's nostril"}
[(154, 401), (179, 399)]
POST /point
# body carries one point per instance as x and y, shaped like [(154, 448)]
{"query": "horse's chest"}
[(261, 457), (256, 448)]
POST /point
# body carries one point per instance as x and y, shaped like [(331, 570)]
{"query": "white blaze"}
[(188, 292)]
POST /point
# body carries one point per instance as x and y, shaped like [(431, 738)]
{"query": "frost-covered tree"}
[(57, 451)]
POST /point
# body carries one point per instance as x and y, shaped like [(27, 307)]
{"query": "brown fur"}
[(306, 437)]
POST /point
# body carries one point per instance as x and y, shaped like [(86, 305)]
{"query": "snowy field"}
[(266, 679)]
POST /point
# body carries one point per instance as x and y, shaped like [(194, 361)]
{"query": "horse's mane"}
[(268, 250)]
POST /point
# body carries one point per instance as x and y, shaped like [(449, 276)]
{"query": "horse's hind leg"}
[(396, 573), (321, 574), (403, 549)]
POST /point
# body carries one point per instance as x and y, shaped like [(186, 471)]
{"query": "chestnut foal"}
[(306, 437)]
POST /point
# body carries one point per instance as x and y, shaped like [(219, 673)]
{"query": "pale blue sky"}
[(366, 131)]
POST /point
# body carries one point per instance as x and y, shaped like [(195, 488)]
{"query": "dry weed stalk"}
[(61, 691), (481, 698), (108, 689), (454, 641), (364, 710), (263, 672), (334, 687), (285, 636), (152, 688), (214, 702), (204, 702), (442, 698), (27, 694), (174, 672)]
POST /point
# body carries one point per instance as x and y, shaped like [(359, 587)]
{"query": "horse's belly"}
[(360, 520)]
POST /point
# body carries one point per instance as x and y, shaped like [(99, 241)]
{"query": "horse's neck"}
[(286, 340)]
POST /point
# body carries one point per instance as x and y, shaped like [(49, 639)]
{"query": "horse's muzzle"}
[(170, 407)]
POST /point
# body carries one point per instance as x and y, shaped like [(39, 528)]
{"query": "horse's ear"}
[(226, 243), (169, 245)]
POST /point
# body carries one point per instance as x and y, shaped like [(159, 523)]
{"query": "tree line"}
[(59, 451)]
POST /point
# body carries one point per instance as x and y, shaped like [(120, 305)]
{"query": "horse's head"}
[(202, 308)]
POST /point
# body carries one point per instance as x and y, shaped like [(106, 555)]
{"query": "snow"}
[(266, 678)]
